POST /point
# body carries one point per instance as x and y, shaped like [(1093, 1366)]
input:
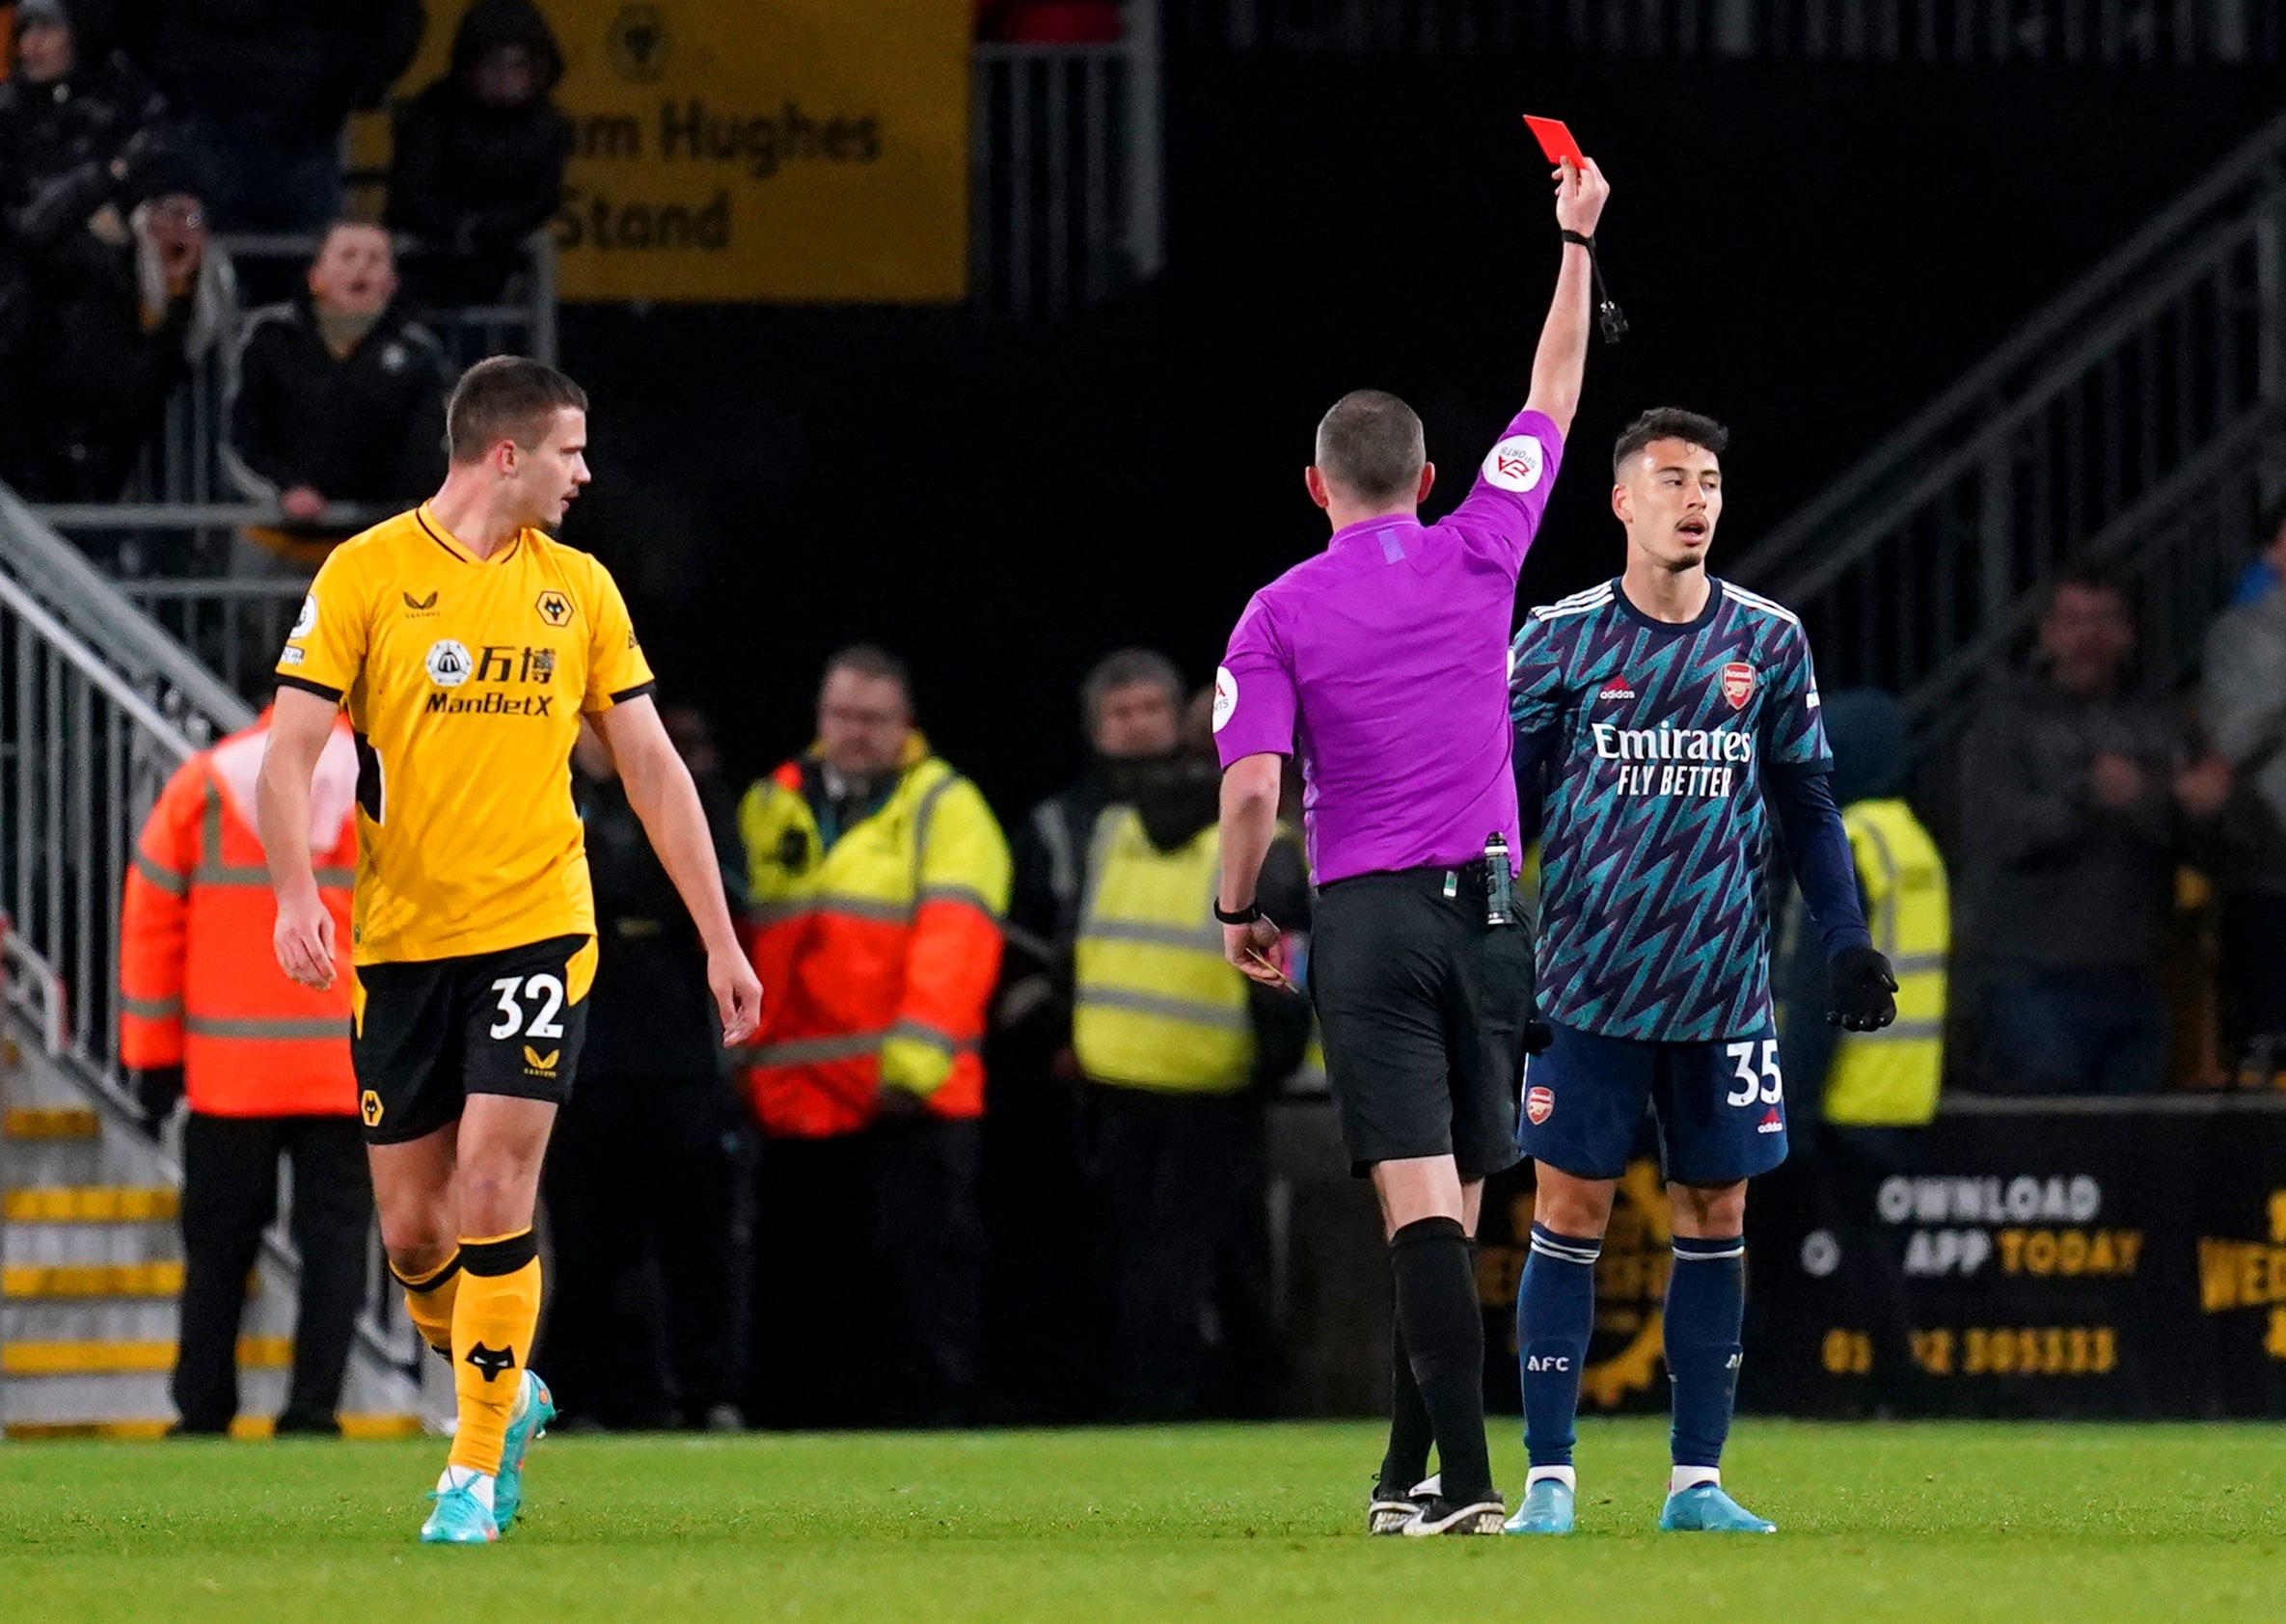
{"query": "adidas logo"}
[(1772, 1123), (1617, 690)]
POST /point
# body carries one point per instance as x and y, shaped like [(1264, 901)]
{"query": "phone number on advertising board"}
[(2006, 1350)]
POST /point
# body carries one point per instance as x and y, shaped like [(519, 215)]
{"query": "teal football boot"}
[(1705, 1508), (1546, 1508), (539, 1410), (459, 1519)]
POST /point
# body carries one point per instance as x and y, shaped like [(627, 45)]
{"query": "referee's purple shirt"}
[(1385, 660)]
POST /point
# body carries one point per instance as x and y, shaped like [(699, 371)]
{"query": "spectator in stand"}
[(75, 117), (1129, 705), (334, 397), (2243, 707), (126, 314), (81, 146), (479, 157), (878, 878), (264, 86), (644, 1167), (2080, 799), (205, 1010), (1181, 1052)]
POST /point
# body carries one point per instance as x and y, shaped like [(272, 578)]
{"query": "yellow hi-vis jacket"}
[(1888, 1078), (1155, 1004), (878, 952)]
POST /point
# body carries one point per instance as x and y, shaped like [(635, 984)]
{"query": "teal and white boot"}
[(1705, 1508), (1547, 1508), (528, 1422), (463, 1514)]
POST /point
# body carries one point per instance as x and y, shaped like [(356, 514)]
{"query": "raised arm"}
[(660, 789), (1560, 362), (300, 724)]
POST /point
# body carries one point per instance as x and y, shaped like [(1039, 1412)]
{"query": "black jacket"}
[(296, 66), (651, 1015), (93, 380), (367, 427), (57, 144), (476, 181)]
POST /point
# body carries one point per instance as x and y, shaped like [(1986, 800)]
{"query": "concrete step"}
[(90, 1243), (92, 1204), (44, 1320), (91, 1280)]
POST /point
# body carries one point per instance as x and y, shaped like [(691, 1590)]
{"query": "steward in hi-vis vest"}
[(1888, 1078), (1179, 1053), (876, 878), (1863, 1099), (206, 1010)]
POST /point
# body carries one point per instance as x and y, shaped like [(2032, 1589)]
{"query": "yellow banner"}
[(759, 151)]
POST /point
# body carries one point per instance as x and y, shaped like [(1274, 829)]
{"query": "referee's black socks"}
[(1443, 1332)]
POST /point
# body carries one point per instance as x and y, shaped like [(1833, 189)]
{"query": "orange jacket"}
[(200, 985), (878, 952)]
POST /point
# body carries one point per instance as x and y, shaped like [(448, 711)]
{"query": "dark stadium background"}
[(1807, 250)]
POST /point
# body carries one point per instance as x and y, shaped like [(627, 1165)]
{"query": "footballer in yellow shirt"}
[(467, 644)]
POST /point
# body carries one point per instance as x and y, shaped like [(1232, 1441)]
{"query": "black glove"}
[(1861, 991), (156, 1090)]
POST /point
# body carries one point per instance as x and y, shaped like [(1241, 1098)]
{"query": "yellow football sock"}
[(429, 1301), (494, 1316)]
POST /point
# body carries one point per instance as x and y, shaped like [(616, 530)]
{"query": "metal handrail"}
[(97, 617), (2255, 162)]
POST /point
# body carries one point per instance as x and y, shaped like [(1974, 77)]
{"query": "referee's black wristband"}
[(1246, 915), (1585, 241)]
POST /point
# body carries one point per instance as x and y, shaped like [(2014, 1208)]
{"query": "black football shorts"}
[(1421, 1010), (428, 1033)]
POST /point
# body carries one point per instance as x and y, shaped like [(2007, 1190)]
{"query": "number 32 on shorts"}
[(544, 992), (1768, 1088)]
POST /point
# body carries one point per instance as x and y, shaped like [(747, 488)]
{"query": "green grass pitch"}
[(2019, 1523)]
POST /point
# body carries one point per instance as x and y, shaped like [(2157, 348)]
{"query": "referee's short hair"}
[(1370, 445), (1668, 422), (508, 397)]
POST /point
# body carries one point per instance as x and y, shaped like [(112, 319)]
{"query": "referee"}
[(1384, 657)]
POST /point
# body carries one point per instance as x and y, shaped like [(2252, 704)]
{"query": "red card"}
[(1556, 140)]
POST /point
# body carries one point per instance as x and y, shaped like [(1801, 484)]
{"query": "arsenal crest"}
[(1738, 684), (1539, 1104)]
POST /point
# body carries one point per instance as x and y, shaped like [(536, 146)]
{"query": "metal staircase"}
[(98, 707), (2138, 421)]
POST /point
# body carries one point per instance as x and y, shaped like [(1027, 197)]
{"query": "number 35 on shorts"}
[(1756, 1066)]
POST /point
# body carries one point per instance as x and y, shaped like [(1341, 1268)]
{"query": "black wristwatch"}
[(1246, 915)]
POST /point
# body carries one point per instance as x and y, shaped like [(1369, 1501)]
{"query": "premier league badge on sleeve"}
[(1515, 464), (1226, 696), (1738, 684)]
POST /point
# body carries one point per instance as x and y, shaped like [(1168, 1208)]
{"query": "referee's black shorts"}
[(1420, 1008)]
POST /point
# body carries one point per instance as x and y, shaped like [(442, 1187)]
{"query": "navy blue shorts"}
[(1720, 1108)]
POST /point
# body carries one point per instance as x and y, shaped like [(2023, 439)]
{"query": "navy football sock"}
[(1444, 1332), (1555, 1316), (1706, 1309)]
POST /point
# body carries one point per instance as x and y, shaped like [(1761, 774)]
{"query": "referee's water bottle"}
[(1500, 882)]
